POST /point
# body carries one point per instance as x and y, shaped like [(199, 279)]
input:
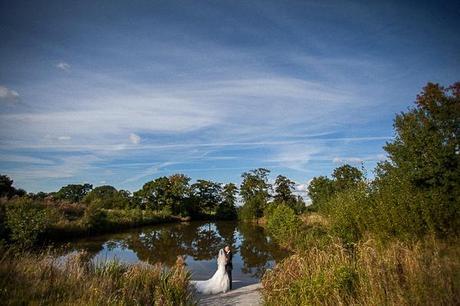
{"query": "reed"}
[(399, 273), (44, 279)]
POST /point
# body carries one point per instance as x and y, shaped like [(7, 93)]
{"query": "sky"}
[(122, 92)]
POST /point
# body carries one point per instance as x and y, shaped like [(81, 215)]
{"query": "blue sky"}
[(121, 92)]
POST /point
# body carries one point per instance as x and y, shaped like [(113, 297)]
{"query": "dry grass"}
[(423, 273), (314, 219), (45, 280)]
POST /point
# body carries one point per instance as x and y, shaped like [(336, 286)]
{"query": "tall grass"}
[(399, 273), (44, 279)]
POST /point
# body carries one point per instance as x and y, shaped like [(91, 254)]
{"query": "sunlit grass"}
[(44, 279), (422, 273)]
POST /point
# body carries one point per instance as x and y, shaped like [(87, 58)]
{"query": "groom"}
[(229, 265)]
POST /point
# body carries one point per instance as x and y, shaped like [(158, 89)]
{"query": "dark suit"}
[(229, 266)]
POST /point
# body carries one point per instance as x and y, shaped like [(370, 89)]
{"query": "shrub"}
[(283, 223), (253, 208), (349, 213), (94, 218), (26, 221)]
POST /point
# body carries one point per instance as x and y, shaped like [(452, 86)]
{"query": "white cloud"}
[(8, 94), (9, 158), (63, 66), (150, 171), (358, 160), (134, 138), (64, 167), (63, 138)]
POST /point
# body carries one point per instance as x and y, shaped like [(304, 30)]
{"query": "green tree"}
[(426, 154), (6, 186), (155, 195), (227, 208), (7, 190), (320, 190), (107, 197), (255, 192), (74, 192), (283, 191), (346, 177), (181, 203), (208, 195)]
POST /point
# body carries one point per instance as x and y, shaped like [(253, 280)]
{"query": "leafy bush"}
[(95, 217), (253, 208), (283, 223), (26, 221), (349, 213)]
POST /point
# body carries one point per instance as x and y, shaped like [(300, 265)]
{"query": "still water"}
[(199, 243)]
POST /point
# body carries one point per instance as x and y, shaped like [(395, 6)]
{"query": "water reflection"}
[(199, 242)]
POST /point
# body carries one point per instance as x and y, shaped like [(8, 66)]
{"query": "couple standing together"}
[(221, 281)]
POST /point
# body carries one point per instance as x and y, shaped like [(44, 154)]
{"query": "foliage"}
[(94, 218), (320, 190), (350, 213), (167, 193), (74, 192), (284, 188), (45, 279), (6, 188), (227, 208), (283, 224), (424, 158), (108, 197), (154, 195), (208, 195), (253, 208), (425, 273), (346, 177), (255, 192), (26, 221)]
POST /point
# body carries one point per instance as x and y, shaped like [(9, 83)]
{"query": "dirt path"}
[(246, 295)]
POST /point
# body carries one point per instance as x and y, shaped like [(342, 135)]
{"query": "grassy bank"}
[(109, 220), (43, 280), (25, 223), (327, 271)]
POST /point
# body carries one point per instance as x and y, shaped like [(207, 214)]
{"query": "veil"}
[(221, 259)]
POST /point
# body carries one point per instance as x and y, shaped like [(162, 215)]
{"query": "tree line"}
[(176, 195)]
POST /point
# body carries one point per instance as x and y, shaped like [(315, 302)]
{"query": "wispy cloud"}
[(358, 160), (7, 94), (63, 66), (212, 93), (134, 138)]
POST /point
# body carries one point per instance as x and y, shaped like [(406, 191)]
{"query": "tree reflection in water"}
[(198, 240), (257, 250)]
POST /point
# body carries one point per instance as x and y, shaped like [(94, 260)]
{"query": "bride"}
[(219, 282)]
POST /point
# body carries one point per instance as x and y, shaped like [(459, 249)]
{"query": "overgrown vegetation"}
[(80, 209), (422, 273), (389, 241), (44, 279)]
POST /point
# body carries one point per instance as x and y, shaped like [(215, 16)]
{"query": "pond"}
[(199, 242)]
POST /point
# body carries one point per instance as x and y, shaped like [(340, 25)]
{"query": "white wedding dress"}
[(219, 282)]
